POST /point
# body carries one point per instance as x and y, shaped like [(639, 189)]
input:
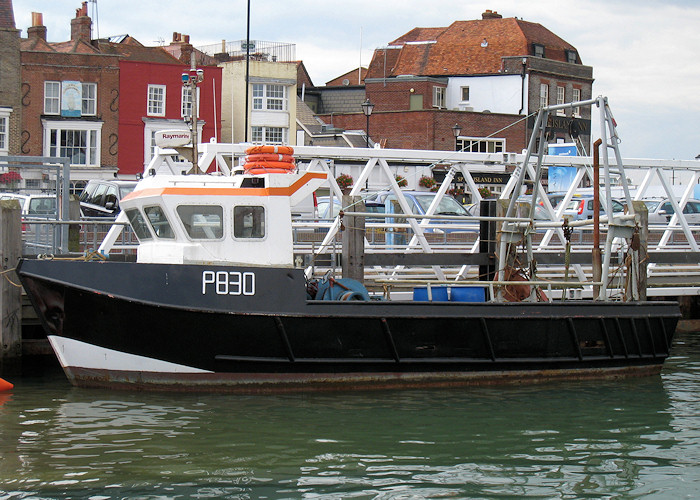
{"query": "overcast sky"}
[(644, 53)]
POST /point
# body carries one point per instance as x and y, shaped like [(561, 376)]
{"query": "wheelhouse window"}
[(248, 222), (138, 224), (52, 98), (156, 100), (159, 222), (202, 222)]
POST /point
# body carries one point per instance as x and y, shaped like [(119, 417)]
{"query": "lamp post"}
[(190, 80), (367, 108), (456, 130)]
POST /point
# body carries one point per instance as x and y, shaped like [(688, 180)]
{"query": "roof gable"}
[(351, 77)]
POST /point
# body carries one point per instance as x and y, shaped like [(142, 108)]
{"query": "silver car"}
[(661, 211)]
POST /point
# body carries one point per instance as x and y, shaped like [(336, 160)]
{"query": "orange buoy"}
[(5, 385), (283, 150)]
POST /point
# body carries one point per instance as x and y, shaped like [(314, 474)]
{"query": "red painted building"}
[(152, 99)]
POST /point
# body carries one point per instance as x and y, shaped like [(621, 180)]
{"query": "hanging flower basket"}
[(485, 192), (10, 178), (344, 181), (401, 181), (427, 182)]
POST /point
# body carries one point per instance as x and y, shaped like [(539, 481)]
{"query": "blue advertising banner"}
[(560, 178)]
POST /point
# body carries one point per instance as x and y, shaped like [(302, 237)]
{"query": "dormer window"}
[(538, 50), (571, 56)]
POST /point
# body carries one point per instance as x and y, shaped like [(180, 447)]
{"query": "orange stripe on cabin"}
[(226, 191)]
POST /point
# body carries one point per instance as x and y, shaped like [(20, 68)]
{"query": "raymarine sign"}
[(172, 138)]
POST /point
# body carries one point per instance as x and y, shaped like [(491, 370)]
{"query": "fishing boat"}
[(216, 302)]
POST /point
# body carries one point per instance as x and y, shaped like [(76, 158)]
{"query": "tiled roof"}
[(74, 47), (465, 47), (132, 50), (419, 34), (35, 44)]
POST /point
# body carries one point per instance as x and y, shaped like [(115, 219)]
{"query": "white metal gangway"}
[(378, 169)]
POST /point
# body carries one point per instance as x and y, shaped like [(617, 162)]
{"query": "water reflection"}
[(629, 437)]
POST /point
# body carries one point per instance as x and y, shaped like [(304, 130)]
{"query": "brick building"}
[(100, 102), (70, 96), (10, 100), (486, 76)]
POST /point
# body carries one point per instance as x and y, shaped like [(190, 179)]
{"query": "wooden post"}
[(354, 239), (642, 256), (10, 293)]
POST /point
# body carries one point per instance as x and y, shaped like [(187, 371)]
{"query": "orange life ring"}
[(268, 157), (266, 170), (269, 164), (283, 150)]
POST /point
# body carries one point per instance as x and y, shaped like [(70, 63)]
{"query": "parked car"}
[(419, 202), (100, 198), (324, 212), (661, 211), (581, 207), (33, 205)]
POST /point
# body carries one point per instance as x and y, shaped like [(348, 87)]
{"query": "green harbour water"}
[(630, 438)]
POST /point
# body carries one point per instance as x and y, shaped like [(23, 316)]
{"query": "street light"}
[(367, 108), (456, 130)]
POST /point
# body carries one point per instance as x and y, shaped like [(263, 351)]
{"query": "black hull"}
[(272, 339)]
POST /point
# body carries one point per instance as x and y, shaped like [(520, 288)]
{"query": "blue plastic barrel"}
[(439, 293), (468, 294)]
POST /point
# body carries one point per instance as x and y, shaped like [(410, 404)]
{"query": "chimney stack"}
[(81, 26), (491, 14), (37, 29)]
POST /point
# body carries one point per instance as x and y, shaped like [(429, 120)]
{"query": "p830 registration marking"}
[(228, 283)]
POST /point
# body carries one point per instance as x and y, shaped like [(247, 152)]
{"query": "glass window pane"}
[(138, 224), (159, 222), (202, 222), (249, 222)]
